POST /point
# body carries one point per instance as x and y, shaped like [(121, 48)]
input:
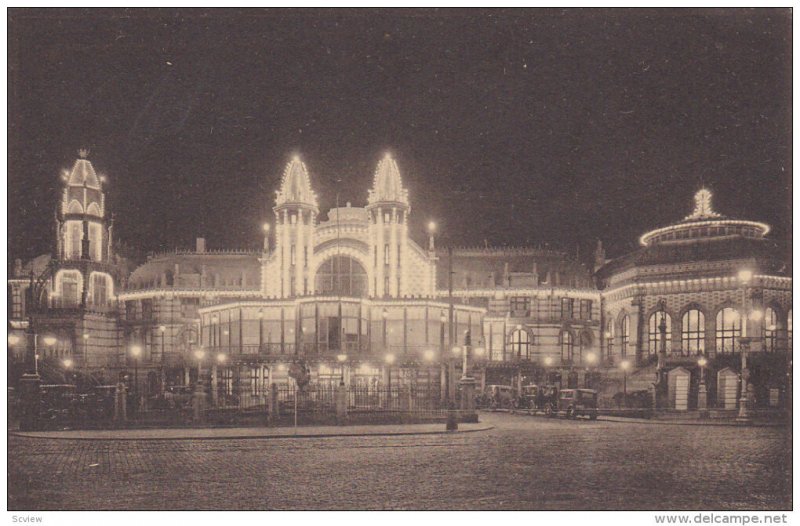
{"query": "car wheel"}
[(570, 413), (548, 410), (593, 415)]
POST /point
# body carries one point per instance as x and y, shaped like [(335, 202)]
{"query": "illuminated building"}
[(351, 293)]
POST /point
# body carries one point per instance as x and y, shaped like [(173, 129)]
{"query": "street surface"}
[(524, 463)]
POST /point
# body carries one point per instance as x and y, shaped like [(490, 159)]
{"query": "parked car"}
[(529, 397), (578, 402), (501, 396)]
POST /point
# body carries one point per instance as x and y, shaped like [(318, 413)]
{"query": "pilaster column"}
[(299, 255), (393, 254), (380, 246)]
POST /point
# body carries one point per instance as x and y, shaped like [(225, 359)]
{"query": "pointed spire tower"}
[(81, 220), (296, 212), (84, 238), (388, 209)]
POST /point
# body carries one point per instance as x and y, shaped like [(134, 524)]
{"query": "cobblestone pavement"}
[(524, 463)]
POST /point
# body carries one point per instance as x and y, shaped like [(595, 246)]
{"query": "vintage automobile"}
[(529, 397), (577, 402), (500, 396)]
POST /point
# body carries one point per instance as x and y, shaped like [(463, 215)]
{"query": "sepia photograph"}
[(400, 259)]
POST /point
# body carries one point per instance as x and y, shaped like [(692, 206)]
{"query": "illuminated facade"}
[(350, 293)]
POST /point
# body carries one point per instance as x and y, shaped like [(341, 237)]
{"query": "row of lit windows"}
[(727, 330), (521, 345), (520, 306)]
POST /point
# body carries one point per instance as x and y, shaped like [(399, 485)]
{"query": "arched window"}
[(610, 334), (567, 346), (625, 336), (729, 329), (654, 332), (521, 344), (770, 329), (342, 275), (693, 332)]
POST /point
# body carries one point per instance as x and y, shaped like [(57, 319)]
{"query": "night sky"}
[(517, 127)]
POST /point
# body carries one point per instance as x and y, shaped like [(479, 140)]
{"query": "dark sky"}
[(518, 127)]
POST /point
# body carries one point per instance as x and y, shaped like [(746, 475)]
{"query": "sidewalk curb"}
[(40, 435), (657, 422)]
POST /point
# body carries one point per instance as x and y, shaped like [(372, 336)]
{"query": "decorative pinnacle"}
[(702, 206), (83, 153)]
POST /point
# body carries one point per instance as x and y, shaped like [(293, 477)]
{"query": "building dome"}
[(704, 223)]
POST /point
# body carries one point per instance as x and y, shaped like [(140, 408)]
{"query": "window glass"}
[(729, 329), (693, 331)]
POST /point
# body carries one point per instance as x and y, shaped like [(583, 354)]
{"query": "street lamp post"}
[(384, 315), (625, 365), (341, 358), (136, 350), (702, 394), (591, 359), (389, 358), (162, 369), (85, 337), (67, 366), (744, 276)]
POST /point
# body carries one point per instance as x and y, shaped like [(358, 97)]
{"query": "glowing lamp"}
[(745, 275), (67, 363), (162, 328), (85, 336), (607, 334), (756, 315), (548, 361), (265, 228), (479, 351), (341, 357), (456, 350), (429, 355), (591, 358), (200, 354), (225, 332), (221, 357), (624, 365), (13, 339), (136, 350), (281, 367), (389, 358), (702, 362), (49, 340), (431, 227)]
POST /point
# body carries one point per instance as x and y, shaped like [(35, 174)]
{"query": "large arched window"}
[(693, 332), (342, 275), (521, 344), (729, 329), (770, 329), (567, 346), (610, 334), (625, 334), (654, 331)]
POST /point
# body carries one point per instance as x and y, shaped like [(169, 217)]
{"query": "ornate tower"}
[(84, 238), (296, 212), (388, 210)]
